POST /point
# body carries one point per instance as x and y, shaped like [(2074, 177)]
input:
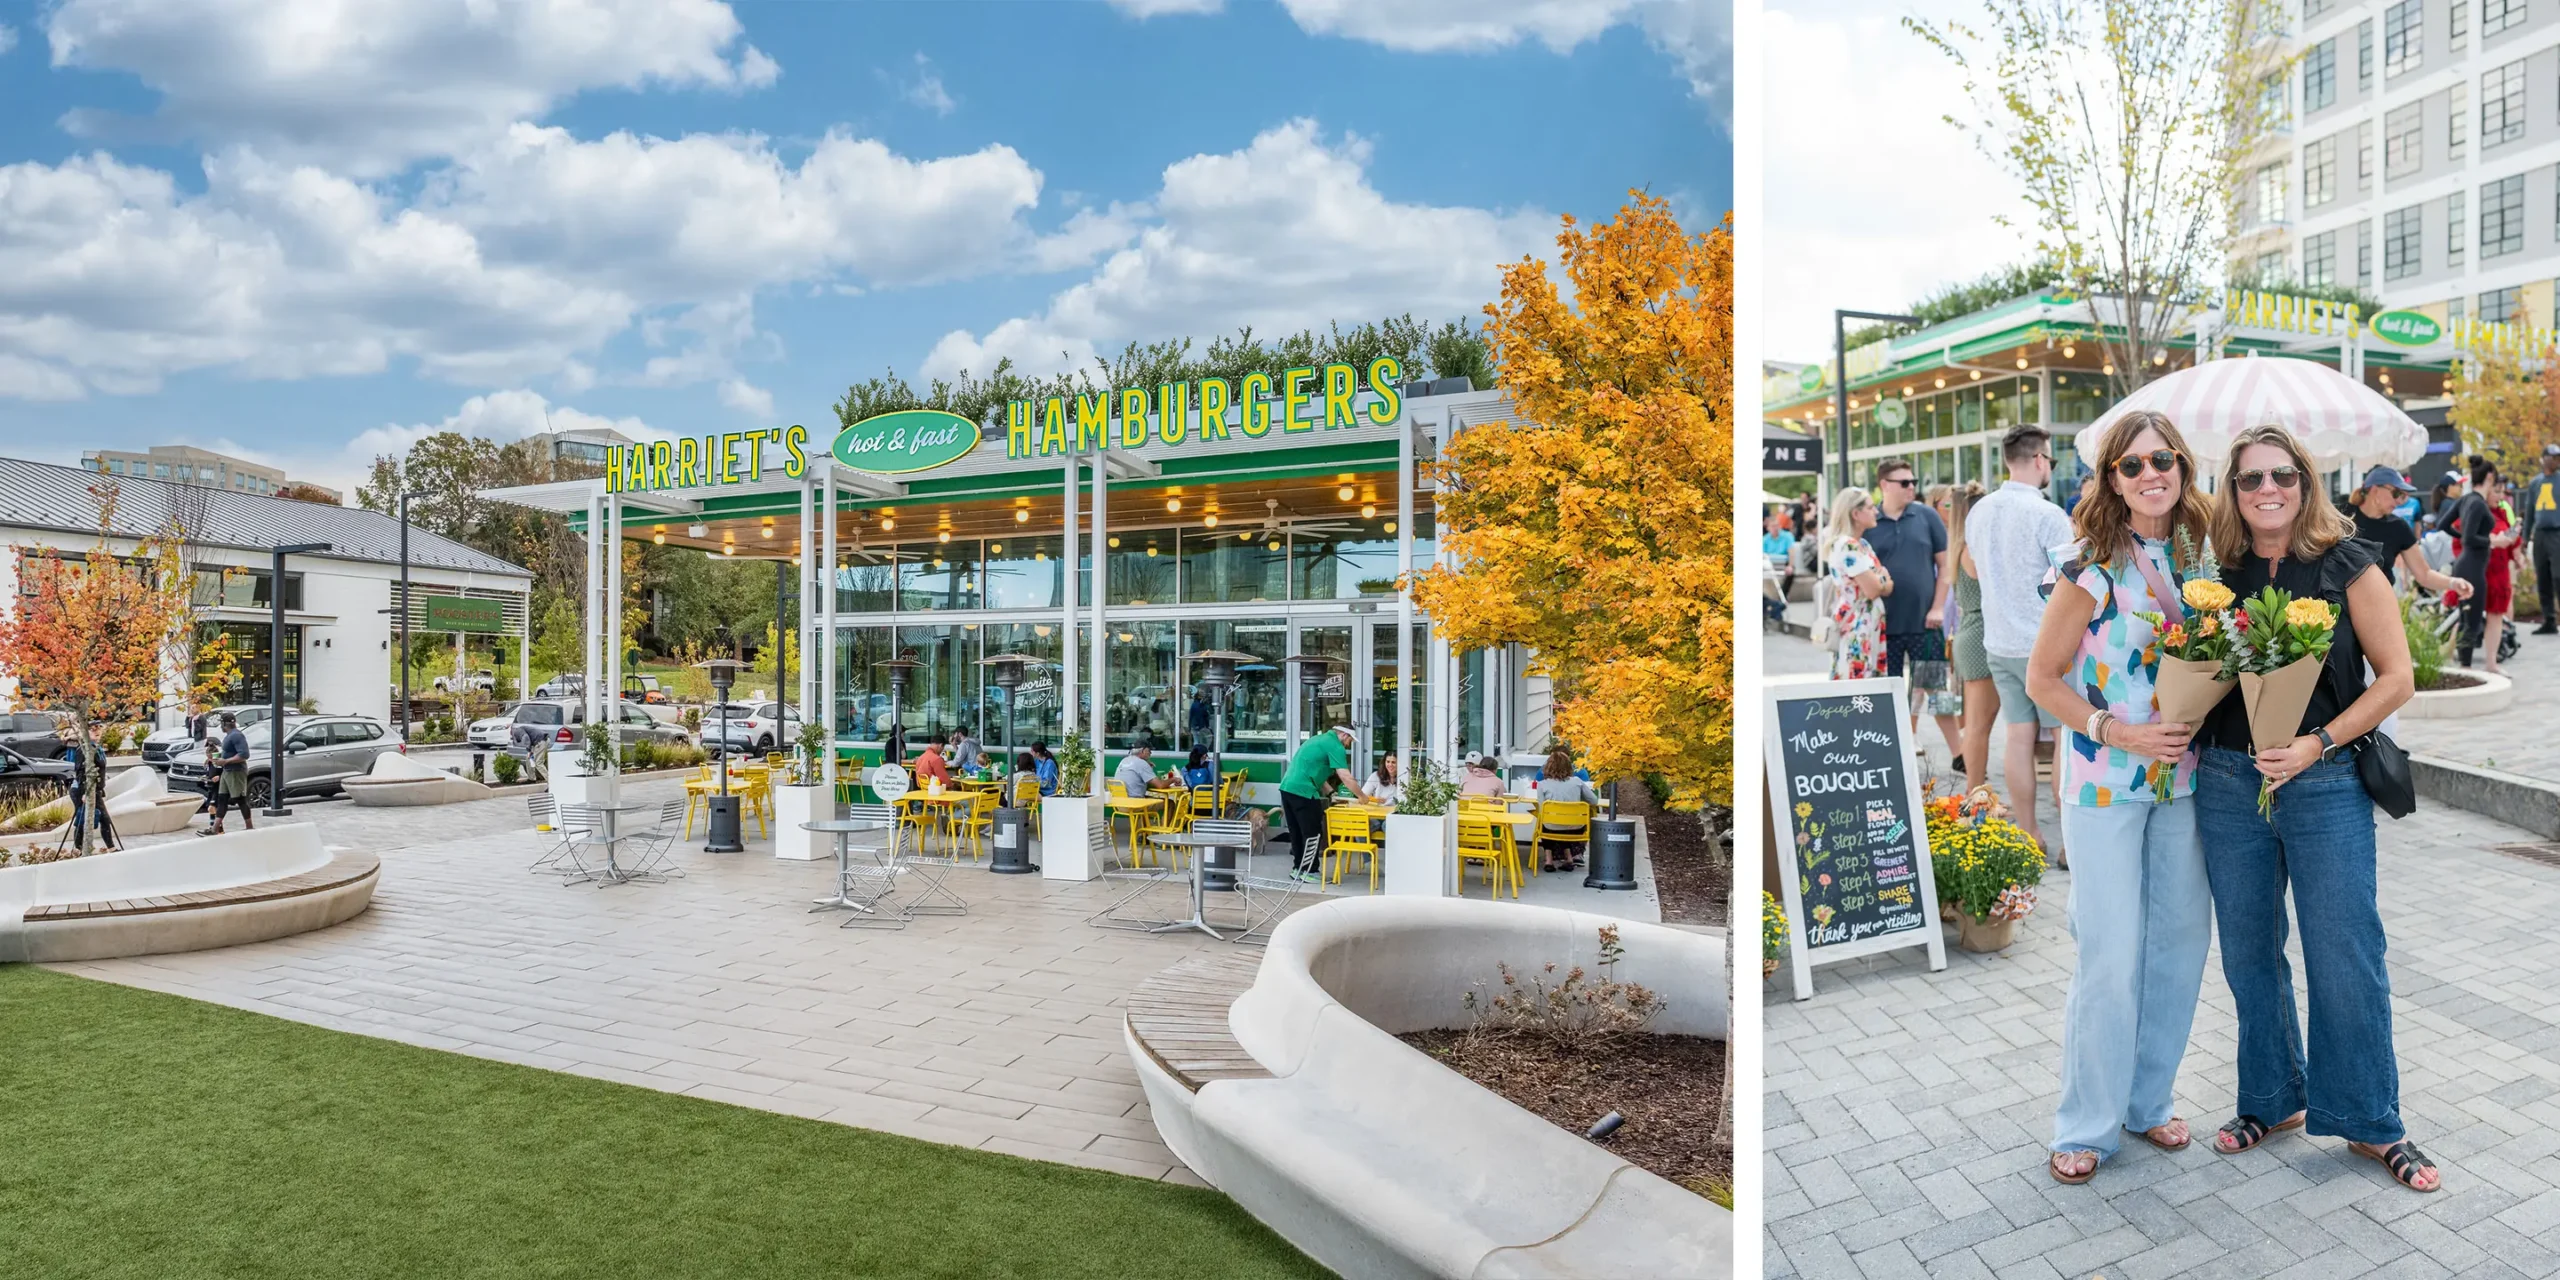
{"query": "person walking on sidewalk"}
[(2010, 536), (232, 792), (2542, 520), (1911, 543), (2375, 509), (2141, 912), (2317, 840)]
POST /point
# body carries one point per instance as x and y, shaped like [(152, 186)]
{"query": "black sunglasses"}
[(2163, 461), (1905, 482), (2285, 478)]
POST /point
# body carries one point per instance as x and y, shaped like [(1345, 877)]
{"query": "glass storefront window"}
[(1141, 681), (1356, 561), (1968, 410), (862, 689), (245, 589), (938, 575), (2002, 409), (1036, 706), (1322, 706), (862, 583), (247, 642), (1022, 573), (1142, 566), (942, 695), (1257, 716), (2078, 398), (1223, 566), (1471, 702)]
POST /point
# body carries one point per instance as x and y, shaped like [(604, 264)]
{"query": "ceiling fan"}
[(1275, 522)]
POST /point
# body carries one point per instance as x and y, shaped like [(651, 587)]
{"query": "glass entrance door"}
[(1376, 667), (1326, 703)]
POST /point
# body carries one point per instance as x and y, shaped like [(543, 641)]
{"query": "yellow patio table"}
[(1129, 807), (944, 802)]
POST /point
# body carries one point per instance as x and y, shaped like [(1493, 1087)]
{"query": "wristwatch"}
[(2328, 745)]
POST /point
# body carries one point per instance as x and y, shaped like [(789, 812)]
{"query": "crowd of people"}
[(2007, 606)]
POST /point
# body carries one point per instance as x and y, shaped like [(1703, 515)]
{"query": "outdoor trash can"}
[(1613, 856), (1010, 835)]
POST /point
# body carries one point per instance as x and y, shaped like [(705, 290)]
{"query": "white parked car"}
[(756, 727), (484, 681), (491, 731)]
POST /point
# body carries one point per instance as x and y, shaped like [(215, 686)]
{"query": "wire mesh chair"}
[(656, 846), (545, 811), (1267, 899), (579, 824)]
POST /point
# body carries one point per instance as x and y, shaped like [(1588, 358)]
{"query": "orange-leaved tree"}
[(2506, 405), (1597, 529), (91, 637)]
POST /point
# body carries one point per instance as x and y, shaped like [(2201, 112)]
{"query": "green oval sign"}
[(1810, 377), (2407, 328), (905, 441), (1890, 414)]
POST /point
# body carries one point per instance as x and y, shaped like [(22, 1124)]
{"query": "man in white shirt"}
[(2010, 535), (1137, 770)]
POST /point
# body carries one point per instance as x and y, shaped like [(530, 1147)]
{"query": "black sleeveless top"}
[(2323, 578)]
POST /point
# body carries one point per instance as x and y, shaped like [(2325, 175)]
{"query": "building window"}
[(2457, 129), (2403, 37), (2314, 8), (2320, 76), (2498, 15), (2319, 173), (2364, 56), (115, 467), (2501, 217), (2502, 105), (2270, 268), (159, 471), (2275, 104), (2271, 187), (2404, 139), (2454, 223), (2457, 25), (2320, 260), (2403, 247), (2364, 255), (2498, 306), (2364, 156)]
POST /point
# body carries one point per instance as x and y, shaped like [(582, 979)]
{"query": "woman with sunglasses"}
[(2319, 841), (1858, 585), (2140, 910)]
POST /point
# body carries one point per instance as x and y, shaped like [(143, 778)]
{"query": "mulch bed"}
[(1695, 888), (1667, 1087), (2453, 679)]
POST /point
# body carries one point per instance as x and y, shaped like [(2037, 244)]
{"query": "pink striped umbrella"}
[(2340, 421)]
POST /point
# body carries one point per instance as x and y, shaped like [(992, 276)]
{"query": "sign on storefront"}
[(1800, 454), (905, 441), (463, 613), (2408, 328), (728, 457), (1297, 400)]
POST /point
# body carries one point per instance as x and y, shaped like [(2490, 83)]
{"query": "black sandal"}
[(2404, 1161), (2250, 1131)]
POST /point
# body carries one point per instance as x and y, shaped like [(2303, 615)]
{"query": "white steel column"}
[(1101, 592), (593, 673), (827, 613), (1068, 692), (611, 695), (1403, 746)]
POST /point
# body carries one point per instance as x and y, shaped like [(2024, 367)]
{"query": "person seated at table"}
[(932, 765), (1196, 770), (1386, 785), (966, 754), (1047, 763), (1137, 772), (1025, 766), (1482, 777), (1559, 783)]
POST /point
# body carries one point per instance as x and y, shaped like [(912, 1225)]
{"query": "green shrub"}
[(1428, 792), (509, 769), (2430, 631)]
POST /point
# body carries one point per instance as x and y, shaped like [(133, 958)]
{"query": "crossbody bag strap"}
[(2161, 593)]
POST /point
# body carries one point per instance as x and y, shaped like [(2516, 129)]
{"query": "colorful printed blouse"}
[(2118, 665)]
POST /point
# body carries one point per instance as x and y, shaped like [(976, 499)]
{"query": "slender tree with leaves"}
[(2130, 126)]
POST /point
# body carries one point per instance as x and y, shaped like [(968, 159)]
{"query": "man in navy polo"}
[(1911, 542)]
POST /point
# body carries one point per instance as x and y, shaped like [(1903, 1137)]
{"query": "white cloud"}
[(747, 398), (8, 37), (1282, 235), (1155, 8), (369, 88), (925, 89), (1853, 234)]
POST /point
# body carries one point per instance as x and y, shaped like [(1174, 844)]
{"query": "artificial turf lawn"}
[(144, 1134)]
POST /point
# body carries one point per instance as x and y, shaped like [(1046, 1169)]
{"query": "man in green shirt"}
[(1321, 761)]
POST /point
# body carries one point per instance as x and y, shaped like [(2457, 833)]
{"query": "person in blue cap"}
[(2542, 518), (2375, 509)]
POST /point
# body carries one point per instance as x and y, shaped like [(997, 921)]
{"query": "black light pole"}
[(275, 673), (1840, 371)]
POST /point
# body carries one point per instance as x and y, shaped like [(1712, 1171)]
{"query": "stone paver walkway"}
[(2518, 739), (1907, 1111)]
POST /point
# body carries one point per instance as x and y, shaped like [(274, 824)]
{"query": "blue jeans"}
[(2143, 920), (2321, 844)]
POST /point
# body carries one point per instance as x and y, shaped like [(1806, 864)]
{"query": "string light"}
[(944, 536), (995, 549), (887, 523), (1173, 504), (1211, 519), (768, 531), (1391, 526), (1977, 375), (1115, 543), (659, 538), (2069, 351), (1368, 510), (1942, 382), (1022, 515), (1151, 551)]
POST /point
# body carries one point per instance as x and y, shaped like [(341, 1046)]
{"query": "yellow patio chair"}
[(698, 791), (919, 815), (1163, 820), (972, 826), (1026, 795), (1563, 822), (1346, 833), (1482, 841)]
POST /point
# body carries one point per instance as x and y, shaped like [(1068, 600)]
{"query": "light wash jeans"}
[(2142, 913)]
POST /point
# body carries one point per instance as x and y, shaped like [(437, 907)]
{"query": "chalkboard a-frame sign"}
[(1845, 798)]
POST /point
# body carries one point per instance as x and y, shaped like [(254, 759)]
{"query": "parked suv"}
[(544, 724), (17, 768), (320, 752), (31, 733), (568, 684), (752, 726), (163, 743)]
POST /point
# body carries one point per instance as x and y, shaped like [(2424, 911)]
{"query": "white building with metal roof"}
[(341, 605)]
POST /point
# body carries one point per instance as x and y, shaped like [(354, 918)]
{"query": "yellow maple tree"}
[(1597, 529), (2507, 406)]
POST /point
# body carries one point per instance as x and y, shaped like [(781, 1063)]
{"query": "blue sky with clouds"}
[(309, 233)]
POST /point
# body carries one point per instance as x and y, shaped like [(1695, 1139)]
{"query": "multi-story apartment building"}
[(2420, 161), (580, 451), (185, 464)]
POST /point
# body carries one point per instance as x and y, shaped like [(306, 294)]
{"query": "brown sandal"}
[(2180, 1145), (2404, 1161), (2251, 1131), (2053, 1165)]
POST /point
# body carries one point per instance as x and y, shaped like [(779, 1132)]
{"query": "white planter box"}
[(569, 784), (793, 806), (1073, 843), (1422, 855)]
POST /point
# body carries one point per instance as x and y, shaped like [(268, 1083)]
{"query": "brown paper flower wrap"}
[(2278, 649)]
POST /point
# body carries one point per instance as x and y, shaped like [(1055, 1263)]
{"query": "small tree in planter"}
[(801, 796), (597, 764), (1422, 832), (1067, 818)]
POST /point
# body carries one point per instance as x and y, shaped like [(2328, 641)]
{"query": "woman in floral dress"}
[(1858, 588)]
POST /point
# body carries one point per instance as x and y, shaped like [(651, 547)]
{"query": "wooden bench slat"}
[(1179, 1018), (342, 869)]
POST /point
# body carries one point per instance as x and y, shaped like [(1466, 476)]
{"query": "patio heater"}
[(1313, 671), (1010, 836), (724, 806), (899, 669), (1218, 680)]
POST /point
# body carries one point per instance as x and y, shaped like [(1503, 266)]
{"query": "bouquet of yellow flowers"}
[(2193, 650), (2276, 653)]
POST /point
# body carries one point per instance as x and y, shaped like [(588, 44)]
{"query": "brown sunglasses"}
[(2163, 461)]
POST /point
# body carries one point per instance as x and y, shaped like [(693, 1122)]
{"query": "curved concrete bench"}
[(248, 886), (396, 780), (139, 800), (1377, 1160)]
